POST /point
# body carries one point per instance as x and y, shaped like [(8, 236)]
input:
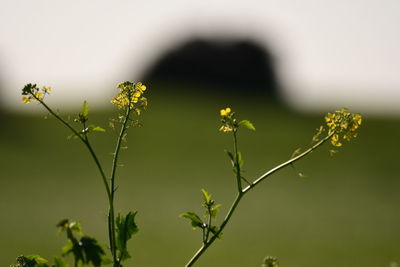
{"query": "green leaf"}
[(247, 124), (92, 249), (37, 258), (126, 227), (31, 261), (94, 128), (214, 210), (231, 157), (207, 197), (74, 226), (194, 219), (74, 246), (85, 110), (240, 159), (60, 262), (68, 248)]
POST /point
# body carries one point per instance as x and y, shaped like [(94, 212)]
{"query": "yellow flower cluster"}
[(130, 95), (32, 92), (342, 124), (227, 120), (225, 112)]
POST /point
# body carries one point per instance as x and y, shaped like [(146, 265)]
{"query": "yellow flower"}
[(140, 87), (335, 140), (46, 90), (357, 119), (130, 95), (342, 124), (225, 112), (38, 96), (26, 100)]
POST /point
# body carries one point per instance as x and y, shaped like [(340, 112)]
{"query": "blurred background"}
[(280, 64)]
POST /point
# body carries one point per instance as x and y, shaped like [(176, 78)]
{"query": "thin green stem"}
[(290, 161), (241, 193), (111, 220), (204, 235), (208, 224), (109, 191), (215, 236), (87, 144), (237, 164)]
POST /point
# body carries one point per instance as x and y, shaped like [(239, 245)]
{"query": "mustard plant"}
[(338, 125), (130, 101)]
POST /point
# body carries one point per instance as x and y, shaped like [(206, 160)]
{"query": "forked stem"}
[(244, 191)]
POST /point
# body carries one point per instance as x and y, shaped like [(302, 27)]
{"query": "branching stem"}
[(109, 190), (242, 192)]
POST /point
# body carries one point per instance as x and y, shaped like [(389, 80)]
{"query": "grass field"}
[(345, 213)]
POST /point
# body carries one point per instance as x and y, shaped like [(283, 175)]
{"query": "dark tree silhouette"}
[(229, 65)]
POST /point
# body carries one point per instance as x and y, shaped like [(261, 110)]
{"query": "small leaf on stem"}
[(207, 197), (126, 227), (85, 109), (194, 219), (247, 124), (231, 157)]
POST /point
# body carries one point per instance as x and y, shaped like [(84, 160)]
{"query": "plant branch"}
[(109, 191), (87, 144), (237, 164), (111, 220), (241, 193), (215, 236), (290, 161)]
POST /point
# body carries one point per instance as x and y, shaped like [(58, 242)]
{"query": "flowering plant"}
[(131, 102)]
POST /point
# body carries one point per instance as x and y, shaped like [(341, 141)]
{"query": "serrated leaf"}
[(194, 219), (126, 227), (92, 249), (206, 196), (247, 124)]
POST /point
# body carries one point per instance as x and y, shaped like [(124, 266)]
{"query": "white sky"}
[(331, 53)]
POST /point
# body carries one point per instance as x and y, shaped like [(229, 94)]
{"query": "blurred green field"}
[(345, 213)]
